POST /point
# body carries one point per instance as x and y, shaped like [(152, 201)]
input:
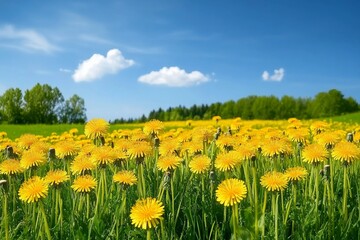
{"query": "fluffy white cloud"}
[(98, 65), (173, 77), (277, 76), (25, 40)]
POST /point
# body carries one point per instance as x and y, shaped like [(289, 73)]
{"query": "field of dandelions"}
[(218, 179)]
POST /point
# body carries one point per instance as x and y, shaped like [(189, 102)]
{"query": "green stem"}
[(263, 216), (345, 191), (5, 216), (46, 226)]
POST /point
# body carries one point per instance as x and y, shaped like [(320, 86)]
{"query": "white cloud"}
[(173, 77), (277, 76), (98, 65), (25, 40)]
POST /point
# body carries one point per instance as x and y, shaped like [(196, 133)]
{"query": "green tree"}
[(287, 107), (43, 104), (73, 110), (11, 105)]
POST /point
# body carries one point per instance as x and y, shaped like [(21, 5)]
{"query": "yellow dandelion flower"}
[(26, 140), (314, 153), (165, 163), (227, 161), (246, 151), (346, 152), (299, 135), (296, 173), (199, 164), (139, 149), (103, 155), (82, 164), (33, 189), (84, 184), (146, 213), (65, 149), (126, 178), (203, 134), (192, 147), (10, 167), (216, 118), (231, 191), (273, 148), (32, 158), (153, 127), (40, 146), (3, 134), (170, 146), (318, 127), (327, 139), (73, 131), (96, 128), (56, 177), (274, 181), (225, 142)]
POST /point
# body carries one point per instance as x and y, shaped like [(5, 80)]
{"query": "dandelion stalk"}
[(5, 216), (46, 226), (345, 192), (263, 214)]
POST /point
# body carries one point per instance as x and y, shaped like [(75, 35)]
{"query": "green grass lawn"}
[(349, 118), (15, 131)]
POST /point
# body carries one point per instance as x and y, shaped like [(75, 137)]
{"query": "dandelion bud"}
[(167, 177), (156, 142), (229, 131), (350, 137), (3, 183), (212, 176), (327, 170), (102, 139), (51, 154), (9, 151)]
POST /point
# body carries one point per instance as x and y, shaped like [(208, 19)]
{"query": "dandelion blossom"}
[(296, 173), (125, 177), (199, 164), (10, 167), (146, 213), (33, 189), (32, 158), (346, 152), (96, 128), (84, 184), (274, 181), (56, 177), (153, 127), (227, 161), (81, 164), (314, 153), (165, 163), (231, 191)]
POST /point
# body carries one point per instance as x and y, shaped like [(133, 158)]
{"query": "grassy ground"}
[(349, 118), (15, 131)]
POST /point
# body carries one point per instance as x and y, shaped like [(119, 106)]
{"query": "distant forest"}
[(46, 104), (324, 104)]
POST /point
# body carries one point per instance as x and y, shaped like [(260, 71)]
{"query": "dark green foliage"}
[(324, 104), (40, 104)]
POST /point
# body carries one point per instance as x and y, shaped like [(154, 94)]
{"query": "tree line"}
[(324, 104), (40, 104)]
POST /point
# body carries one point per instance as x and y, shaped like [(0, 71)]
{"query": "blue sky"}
[(126, 58)]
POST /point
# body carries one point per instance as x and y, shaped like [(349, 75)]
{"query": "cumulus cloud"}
[(173, 77), (98, 66), (277, 76), (25, 40)]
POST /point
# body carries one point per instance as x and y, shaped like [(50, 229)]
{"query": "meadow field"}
[(215, 179)]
